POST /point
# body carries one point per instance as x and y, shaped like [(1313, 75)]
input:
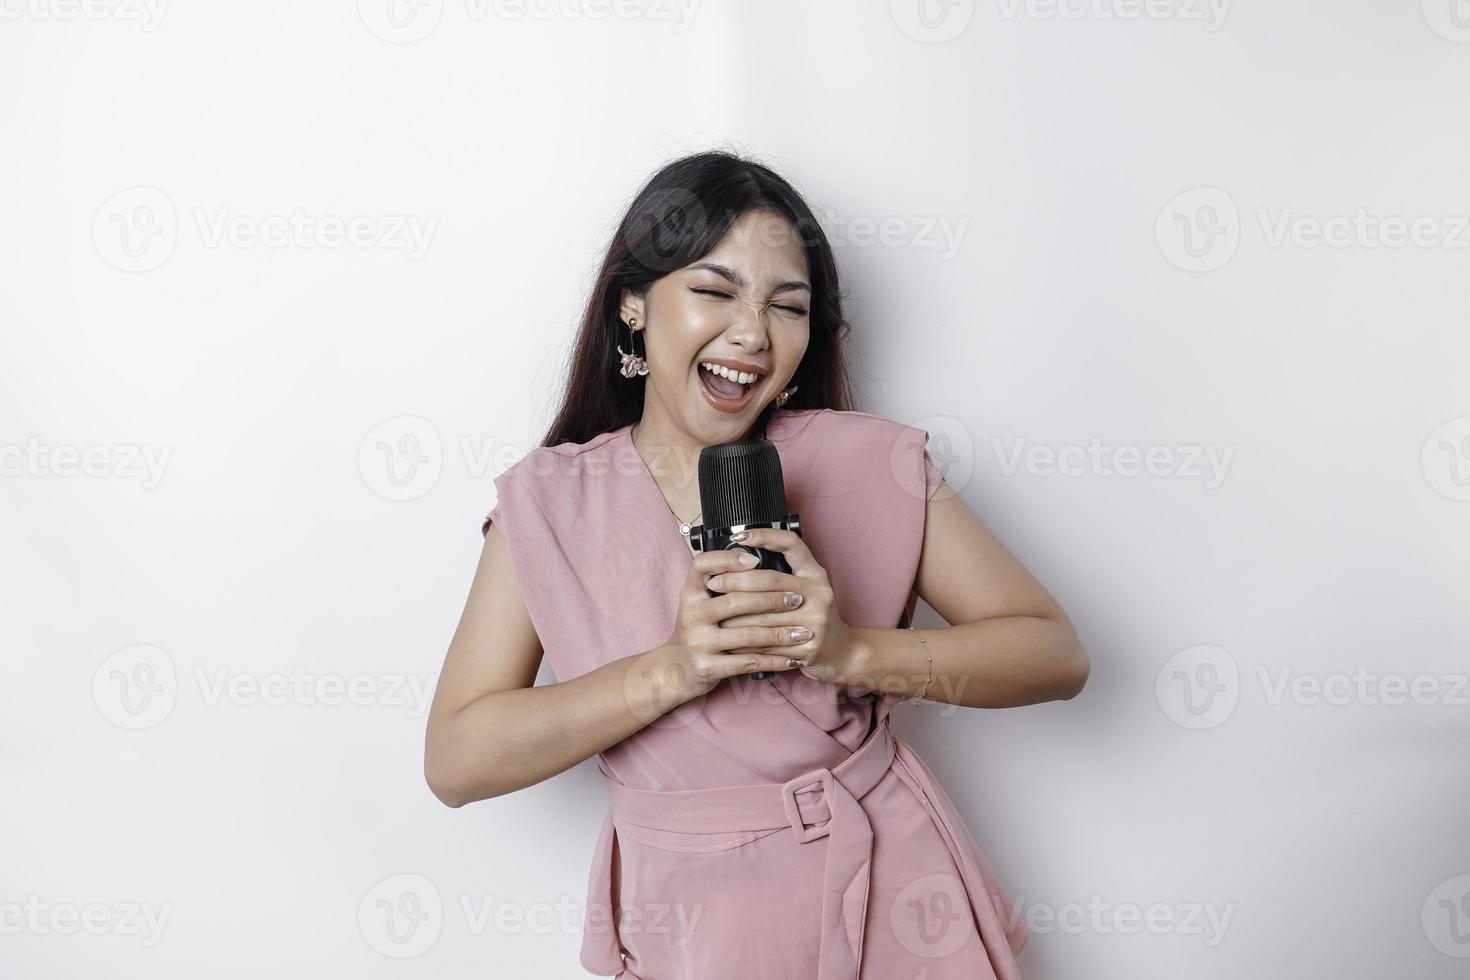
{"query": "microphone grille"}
[(741, 483)]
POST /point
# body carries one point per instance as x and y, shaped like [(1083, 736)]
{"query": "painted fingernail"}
[(801, 634), (793, 599), (749, 560)]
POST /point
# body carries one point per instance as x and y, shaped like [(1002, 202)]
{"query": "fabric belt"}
[(818, 803)]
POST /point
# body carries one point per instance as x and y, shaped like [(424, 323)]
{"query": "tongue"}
[(723, 386)]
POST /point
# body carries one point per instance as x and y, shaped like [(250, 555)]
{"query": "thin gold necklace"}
[(684, 526)]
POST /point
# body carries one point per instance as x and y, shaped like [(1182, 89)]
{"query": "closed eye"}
[(795, 310)]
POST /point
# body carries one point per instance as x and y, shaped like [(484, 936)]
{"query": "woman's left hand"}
[(828, 655)]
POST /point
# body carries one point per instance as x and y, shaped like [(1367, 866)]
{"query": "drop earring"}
[(634, 364), (781, 398)]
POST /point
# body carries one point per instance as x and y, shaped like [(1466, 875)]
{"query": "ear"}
[(632, 307)]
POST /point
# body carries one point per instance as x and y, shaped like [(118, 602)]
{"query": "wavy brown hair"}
[(677, 217)]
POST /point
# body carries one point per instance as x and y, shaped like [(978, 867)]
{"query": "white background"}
[(324, 421)]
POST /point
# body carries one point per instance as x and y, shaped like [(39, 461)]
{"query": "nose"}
[(749, 329)]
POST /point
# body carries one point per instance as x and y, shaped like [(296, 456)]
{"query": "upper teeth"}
[(744, 377)]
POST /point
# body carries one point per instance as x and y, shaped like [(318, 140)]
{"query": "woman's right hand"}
[(698, 647)]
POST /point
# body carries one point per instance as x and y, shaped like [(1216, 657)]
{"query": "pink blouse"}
[(771, 828)]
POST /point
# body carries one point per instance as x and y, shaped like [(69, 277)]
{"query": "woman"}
[(768, 827)]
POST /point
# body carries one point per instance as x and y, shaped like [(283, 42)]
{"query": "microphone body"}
[(740, 486)]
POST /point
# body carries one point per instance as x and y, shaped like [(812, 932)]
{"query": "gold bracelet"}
[(919, 698)]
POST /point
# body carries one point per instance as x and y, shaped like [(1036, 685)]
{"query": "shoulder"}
[(544, 463), (865, 431), (867, 449)]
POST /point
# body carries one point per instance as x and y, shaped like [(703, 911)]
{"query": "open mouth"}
[(723, 387)]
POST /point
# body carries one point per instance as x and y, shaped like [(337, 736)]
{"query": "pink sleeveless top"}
[(773, 828)]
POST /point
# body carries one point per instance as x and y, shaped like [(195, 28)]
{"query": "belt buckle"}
[(793, 811)]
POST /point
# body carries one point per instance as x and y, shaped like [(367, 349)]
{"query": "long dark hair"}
[(679, 215)]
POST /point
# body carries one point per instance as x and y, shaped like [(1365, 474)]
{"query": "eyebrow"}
[(727, 273)]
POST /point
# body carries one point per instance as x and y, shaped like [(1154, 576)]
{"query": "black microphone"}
[(740, 486)]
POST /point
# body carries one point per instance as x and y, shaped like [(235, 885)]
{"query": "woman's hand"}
[(705, 650), (828, 652)]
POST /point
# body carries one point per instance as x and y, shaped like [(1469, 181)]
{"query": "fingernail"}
[(714, 582), (739, 535), (801, 634), (793, 599), (749, 560)]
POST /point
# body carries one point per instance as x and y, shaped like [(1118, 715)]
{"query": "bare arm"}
[(1011, 644), (490, 731)]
